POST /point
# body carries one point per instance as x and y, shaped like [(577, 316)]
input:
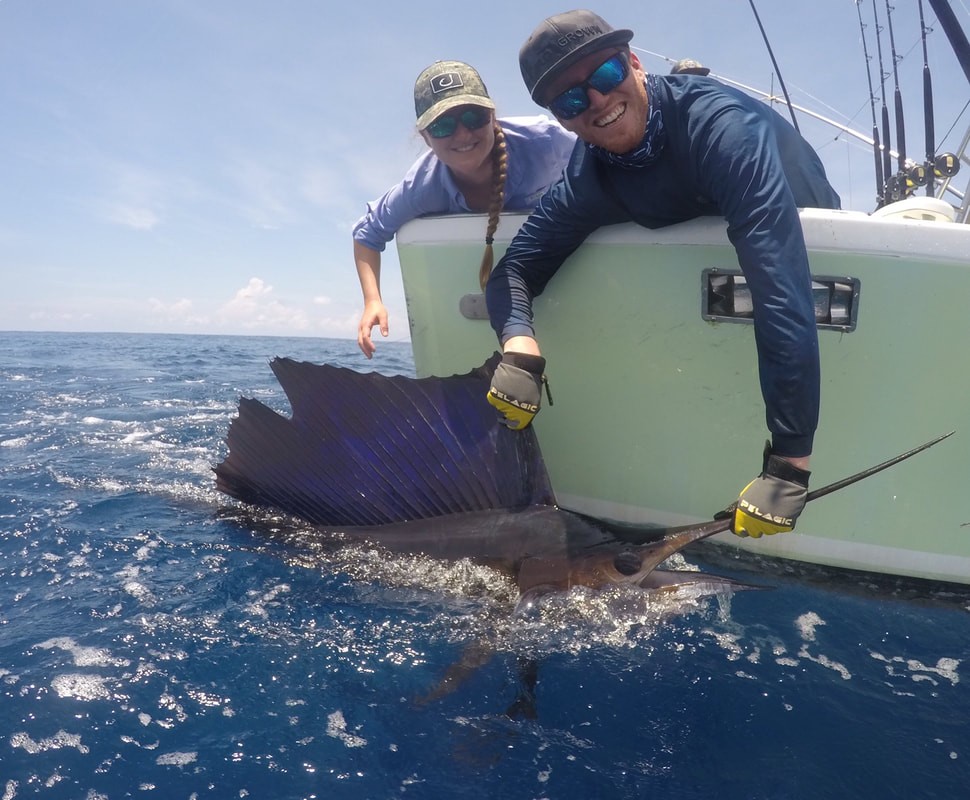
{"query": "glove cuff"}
[(778, 467), (530, 363)]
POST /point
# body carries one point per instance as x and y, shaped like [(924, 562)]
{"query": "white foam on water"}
[(81, 687), (177, 759), (84, 656), (337, 729), (170, 703), (269, 597), (140, 592), (807, 623), (825, 661), (945, 668), (59, 740)]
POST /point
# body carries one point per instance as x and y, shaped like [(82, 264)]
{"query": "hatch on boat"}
[(927, 209)]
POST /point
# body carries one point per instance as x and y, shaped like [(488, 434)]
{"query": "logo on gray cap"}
[(445, 82)]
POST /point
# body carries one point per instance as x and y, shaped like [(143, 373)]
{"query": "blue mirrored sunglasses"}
[(473, 118), (605, 78)]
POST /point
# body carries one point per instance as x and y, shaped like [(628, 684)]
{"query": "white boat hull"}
[(658, 416)]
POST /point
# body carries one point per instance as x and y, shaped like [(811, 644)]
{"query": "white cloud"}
[(262, 192), (253, 307), (135, 196), (142, 219), (180, 308)]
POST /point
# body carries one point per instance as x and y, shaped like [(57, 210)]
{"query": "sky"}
[(196, 166)]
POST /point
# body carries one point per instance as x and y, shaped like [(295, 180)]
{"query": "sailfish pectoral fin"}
[(531, 596), (541, 575), (475, 656)]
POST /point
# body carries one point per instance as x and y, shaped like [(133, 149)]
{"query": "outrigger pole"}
[(951, 27), (771, 55)]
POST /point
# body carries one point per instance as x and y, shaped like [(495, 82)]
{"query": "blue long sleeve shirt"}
[(537, 148), (724, 153)]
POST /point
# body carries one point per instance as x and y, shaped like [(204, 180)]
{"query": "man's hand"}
[(516, 389), (771, 502)]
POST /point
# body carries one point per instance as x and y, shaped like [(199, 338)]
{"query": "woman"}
[(476, 163)]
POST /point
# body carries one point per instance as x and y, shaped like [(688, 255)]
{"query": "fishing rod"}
[(872, 106), (896, 186), (886, 160), (723, 524), (771, 55), (773, 98), (944, 165), (927, 110)]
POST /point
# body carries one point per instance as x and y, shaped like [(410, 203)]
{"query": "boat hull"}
[(658, 417)]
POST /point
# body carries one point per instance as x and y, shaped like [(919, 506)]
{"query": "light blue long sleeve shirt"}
[(537, 147)]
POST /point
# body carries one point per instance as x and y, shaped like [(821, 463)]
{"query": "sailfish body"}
[(422, 466)]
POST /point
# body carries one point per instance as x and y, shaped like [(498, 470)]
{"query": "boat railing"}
[(943, 186), (946, 186)]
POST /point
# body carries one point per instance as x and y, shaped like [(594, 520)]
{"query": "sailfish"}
[(423, 466)]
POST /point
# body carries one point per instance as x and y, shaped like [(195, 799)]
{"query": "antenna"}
[(872, 107)]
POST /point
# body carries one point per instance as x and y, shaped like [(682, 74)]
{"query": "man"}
[(657, 150)]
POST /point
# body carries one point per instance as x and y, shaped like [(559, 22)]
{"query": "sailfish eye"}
[(627, 562)]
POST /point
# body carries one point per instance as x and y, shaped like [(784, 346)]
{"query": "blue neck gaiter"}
[(652, 143)]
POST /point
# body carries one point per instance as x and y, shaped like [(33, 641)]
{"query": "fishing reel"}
[(905, 182), (946, 165)]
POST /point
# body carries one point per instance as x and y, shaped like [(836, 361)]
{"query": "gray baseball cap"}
[(445, 85), (688, 66), (561, 41)]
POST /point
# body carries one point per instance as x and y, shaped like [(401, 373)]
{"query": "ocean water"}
[(158, 640)]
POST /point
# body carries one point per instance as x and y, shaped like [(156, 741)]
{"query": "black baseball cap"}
[(559, 42)]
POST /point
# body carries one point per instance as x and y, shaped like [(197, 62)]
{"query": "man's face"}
[(614, 121)]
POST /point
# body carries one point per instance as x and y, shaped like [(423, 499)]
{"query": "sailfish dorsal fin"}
[(372, 449)]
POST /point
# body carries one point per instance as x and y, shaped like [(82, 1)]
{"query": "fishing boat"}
[(660, 320)]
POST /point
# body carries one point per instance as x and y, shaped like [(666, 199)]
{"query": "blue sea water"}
[(157, 639)]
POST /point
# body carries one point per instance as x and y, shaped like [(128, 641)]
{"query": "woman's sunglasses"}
[(472, 118), (605, 78)]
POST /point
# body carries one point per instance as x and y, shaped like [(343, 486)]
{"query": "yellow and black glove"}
[(516, 389), (771, 502)]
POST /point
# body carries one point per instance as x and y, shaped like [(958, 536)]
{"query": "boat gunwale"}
[(833, 231)]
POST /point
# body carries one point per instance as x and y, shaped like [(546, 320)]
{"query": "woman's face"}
[(466, 148)]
